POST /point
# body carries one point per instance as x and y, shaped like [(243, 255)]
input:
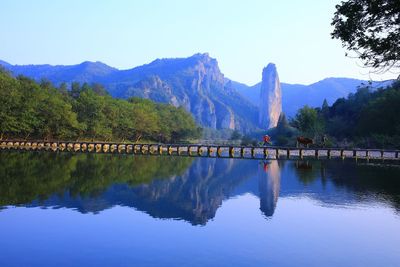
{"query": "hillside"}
[(195, 83)]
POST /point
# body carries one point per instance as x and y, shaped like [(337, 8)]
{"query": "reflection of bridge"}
[(225, 151)]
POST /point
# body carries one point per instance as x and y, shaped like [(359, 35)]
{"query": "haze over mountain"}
[(195, 83)]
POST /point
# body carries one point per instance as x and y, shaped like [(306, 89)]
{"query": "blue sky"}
[(244, 36)]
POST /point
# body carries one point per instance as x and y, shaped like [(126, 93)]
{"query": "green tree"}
[(371, 29), (10, 100), (236, 135), (90, 110), (308, 122), (75, 90), (325, 109), (58, 121), (145, 120)]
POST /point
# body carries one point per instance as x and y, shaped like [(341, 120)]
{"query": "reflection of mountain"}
[(193, 196), (269, 184), (92, 183), (183, 187)]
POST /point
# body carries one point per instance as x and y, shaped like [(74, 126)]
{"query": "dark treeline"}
[(367, 118), (32, 110)]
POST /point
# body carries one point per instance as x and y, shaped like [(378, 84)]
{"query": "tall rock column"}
[(270, 98)]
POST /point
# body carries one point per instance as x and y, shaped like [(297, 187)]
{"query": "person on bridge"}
[(324, 140), (266, 140)]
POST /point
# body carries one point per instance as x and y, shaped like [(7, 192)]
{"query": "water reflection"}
[(183, 187), (269, 185)]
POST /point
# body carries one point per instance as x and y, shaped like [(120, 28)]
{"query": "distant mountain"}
[(85, 72), (4, 64), (295, 96)]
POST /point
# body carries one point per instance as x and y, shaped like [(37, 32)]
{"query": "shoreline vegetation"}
[(365, 119), (31, 110)]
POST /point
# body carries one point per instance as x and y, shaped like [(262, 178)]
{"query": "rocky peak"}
[(206, 62), (270, 98)]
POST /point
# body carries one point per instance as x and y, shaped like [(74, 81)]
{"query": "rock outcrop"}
[(196, 84), (270, 106)]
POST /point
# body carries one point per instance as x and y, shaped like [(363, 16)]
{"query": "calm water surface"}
[(112, 210)]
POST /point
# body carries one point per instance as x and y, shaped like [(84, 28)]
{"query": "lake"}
[(64, 209)]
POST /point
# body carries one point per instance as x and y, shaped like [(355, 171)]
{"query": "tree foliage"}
[(366, 118), (32, 110), (371, 29), (309, 122)]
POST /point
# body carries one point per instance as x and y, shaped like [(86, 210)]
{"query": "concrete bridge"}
[(225, 151)]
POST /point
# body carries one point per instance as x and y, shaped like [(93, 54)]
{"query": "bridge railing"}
[(217, 150)]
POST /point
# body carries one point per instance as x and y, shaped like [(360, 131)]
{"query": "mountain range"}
[(195, 83)]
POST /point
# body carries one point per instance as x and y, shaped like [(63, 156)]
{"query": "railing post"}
[(288, 153), (301, 153), (141, 149), (209, 151), (219, 151), (242, 152), (253, 153), (98, 148), (265, 152), (231, 151), (342, 153)]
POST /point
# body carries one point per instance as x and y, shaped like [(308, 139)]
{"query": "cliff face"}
[(197, 84), (194, 83), (270, 106)]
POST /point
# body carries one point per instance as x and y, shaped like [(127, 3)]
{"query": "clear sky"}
[(244, 36)]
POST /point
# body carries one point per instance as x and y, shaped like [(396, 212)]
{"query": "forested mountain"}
[(195, 83)]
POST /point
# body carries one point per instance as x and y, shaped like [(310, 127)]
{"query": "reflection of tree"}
[(269, 186), (307, 171), (361, 181), (28, 176), (365, 180), (25, 177)]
